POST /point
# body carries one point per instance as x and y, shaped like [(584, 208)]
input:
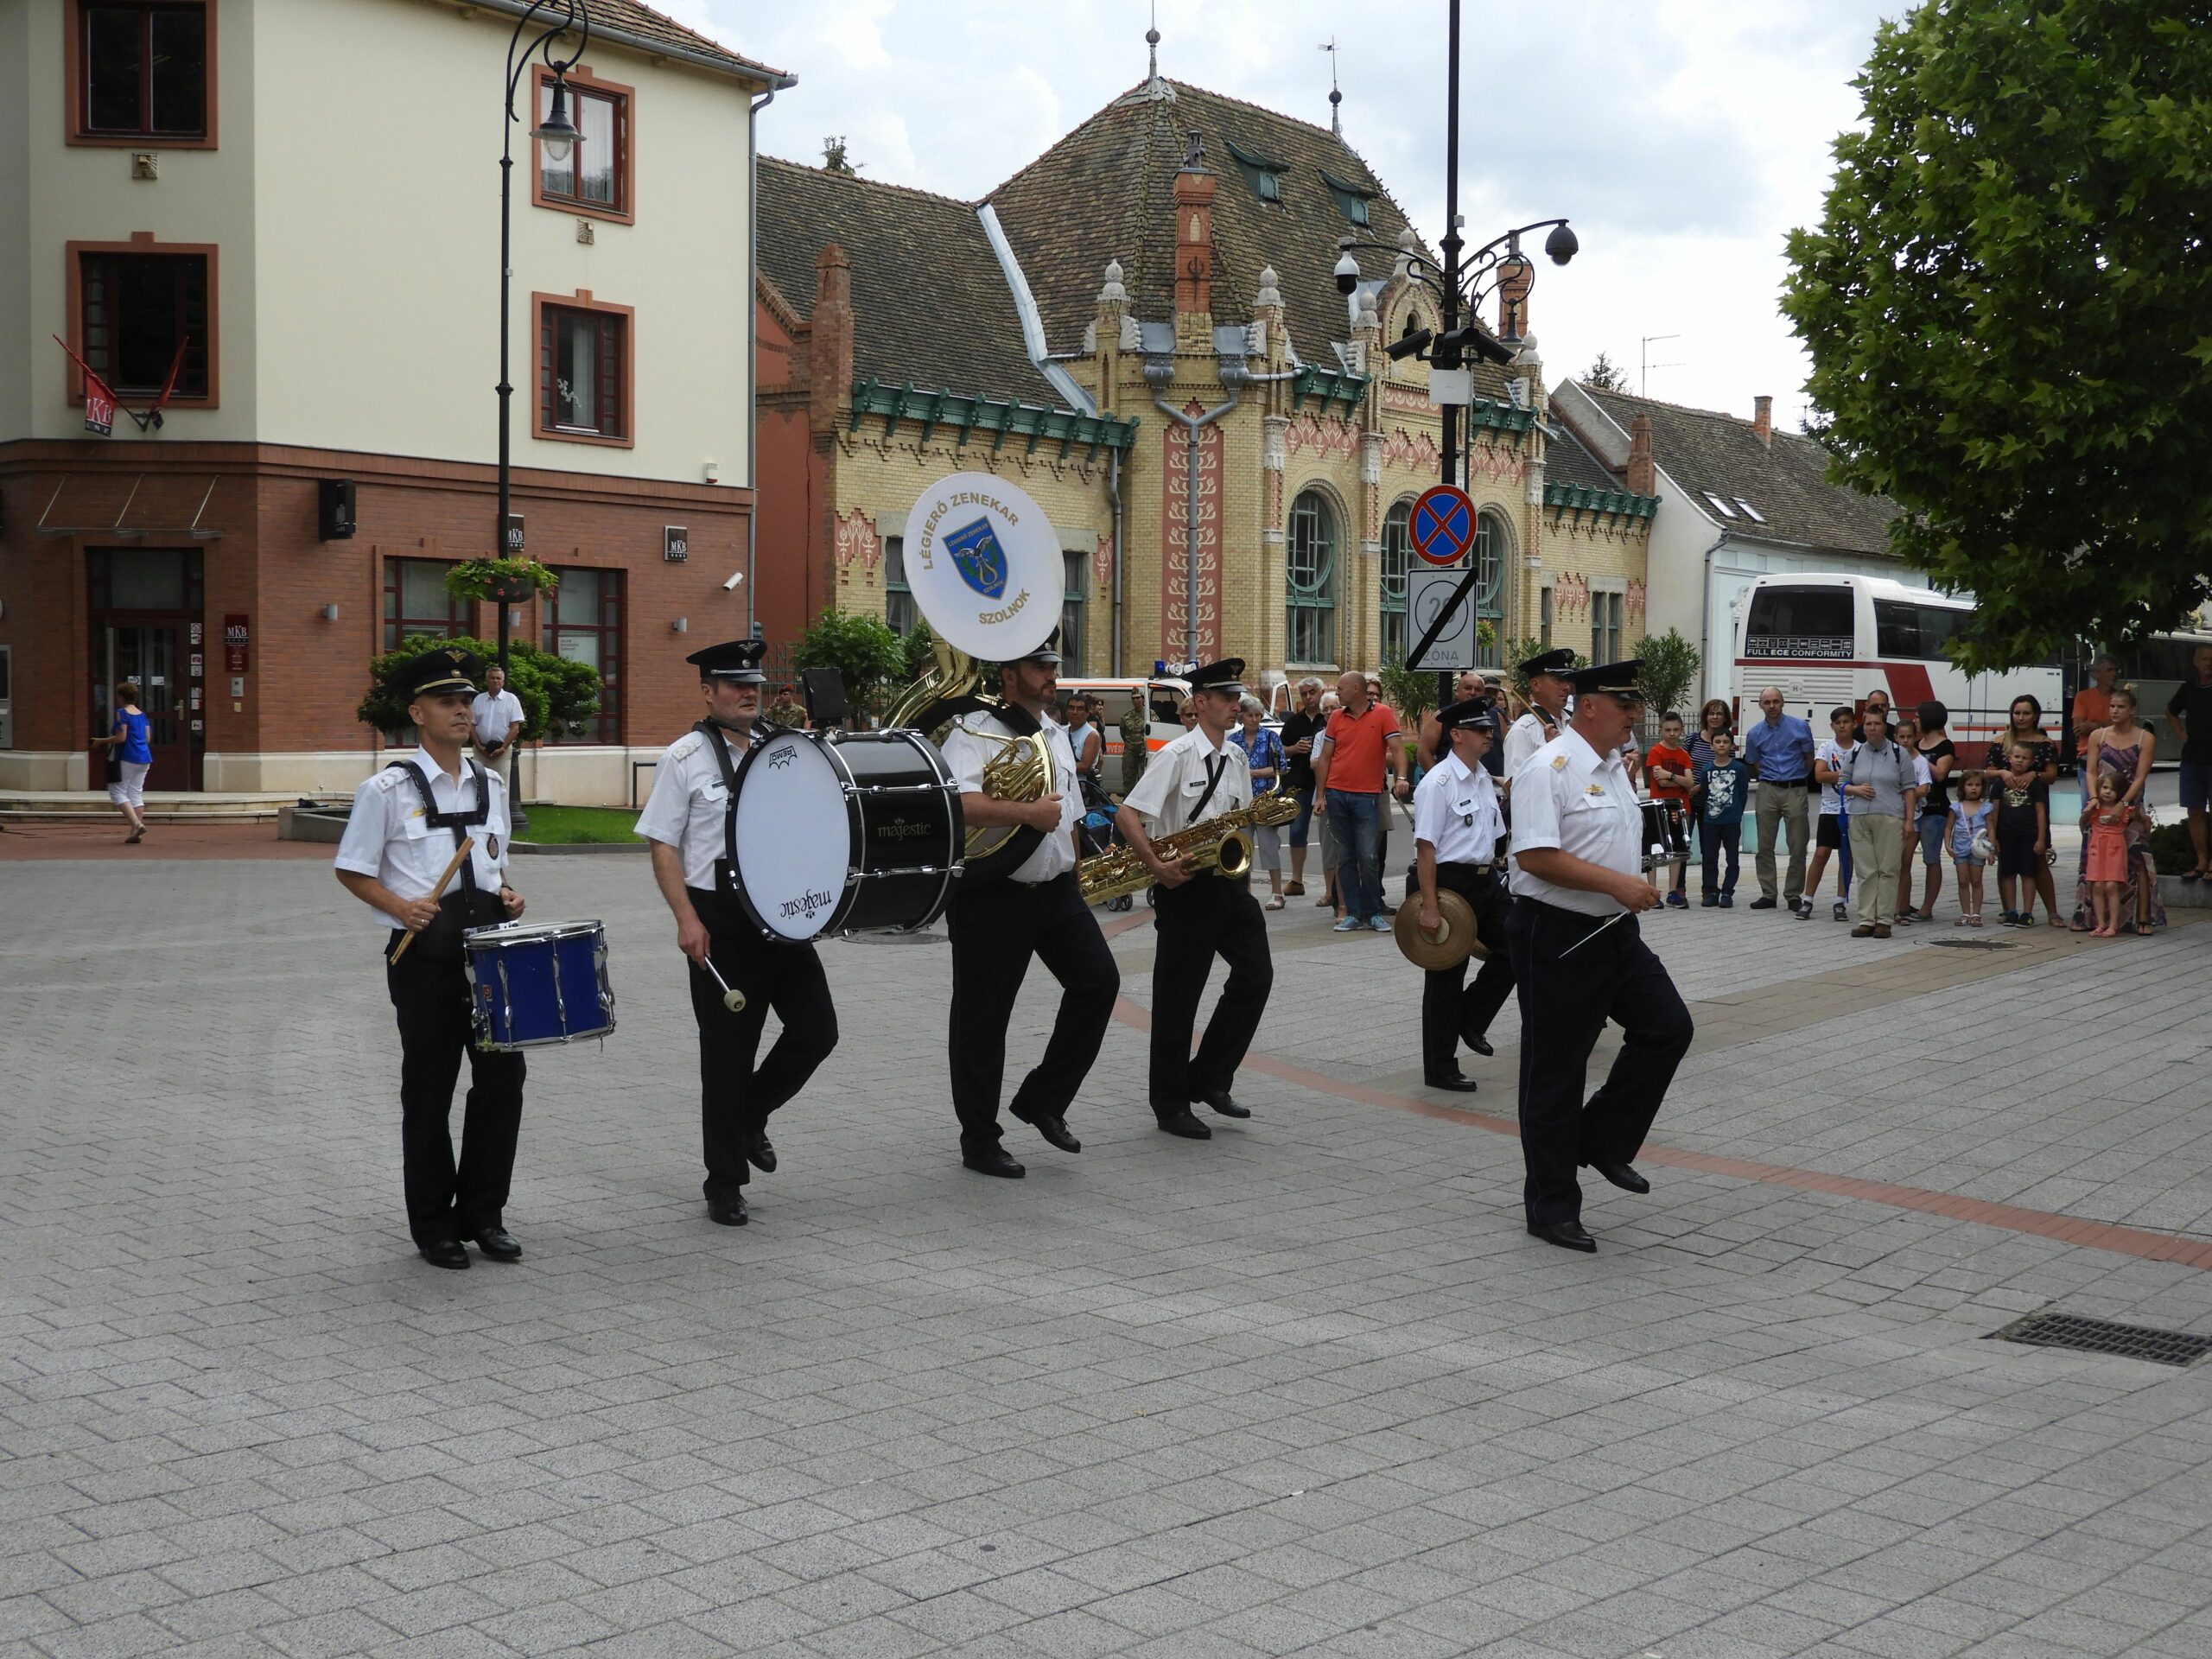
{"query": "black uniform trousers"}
[(1451, 1010), (996, 927), (1208, 915), (1564, 1004), (736, 1099), (447, 1200)]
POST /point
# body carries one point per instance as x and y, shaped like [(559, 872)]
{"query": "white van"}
[(1163, 700)]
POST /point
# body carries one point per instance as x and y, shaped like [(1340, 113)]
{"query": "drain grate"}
[(2105, 1337), (1959, 942)]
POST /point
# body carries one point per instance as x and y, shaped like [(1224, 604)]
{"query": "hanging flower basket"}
[(503, 582)]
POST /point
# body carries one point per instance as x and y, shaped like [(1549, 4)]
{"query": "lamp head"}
[(1561, 244), (557, 133), (1347, 272)]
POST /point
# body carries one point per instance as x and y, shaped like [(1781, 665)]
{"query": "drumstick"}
[(734, 1000), (439, 892), (1590, 935)]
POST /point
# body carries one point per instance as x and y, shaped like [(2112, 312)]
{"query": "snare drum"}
[(1666, 833), (534, 983), (856, 832)]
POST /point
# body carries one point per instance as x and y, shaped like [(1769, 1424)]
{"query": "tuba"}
[(1021, 770)]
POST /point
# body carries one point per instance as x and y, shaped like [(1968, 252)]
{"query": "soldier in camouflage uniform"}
[(1136, 727)]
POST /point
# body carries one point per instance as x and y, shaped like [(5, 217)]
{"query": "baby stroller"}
[(1097, 832)]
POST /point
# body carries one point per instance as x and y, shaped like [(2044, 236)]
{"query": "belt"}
[(1786, 783), (1582, 916), (1484, 866)]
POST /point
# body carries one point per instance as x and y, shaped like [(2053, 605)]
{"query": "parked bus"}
[(1830, 640)]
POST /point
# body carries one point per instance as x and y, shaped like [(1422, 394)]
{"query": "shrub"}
[(553, 691)]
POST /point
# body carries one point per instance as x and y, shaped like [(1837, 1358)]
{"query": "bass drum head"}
[(794, 837)]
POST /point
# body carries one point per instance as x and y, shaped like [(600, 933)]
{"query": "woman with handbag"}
[(129, 758)]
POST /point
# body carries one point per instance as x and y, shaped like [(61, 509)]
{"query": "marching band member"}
[(1199, 915), (1456, 831), (390, 858), (690, 819), (1578, 960), (1548, 684), (1038, 911)]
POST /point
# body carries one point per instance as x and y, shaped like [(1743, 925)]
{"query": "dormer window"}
[(1352, 199), (1751, 512), (1263, 175), (1718, 505)]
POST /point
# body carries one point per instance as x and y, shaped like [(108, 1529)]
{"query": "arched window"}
[(1493, 546), (1312, 580), (1397, 561)]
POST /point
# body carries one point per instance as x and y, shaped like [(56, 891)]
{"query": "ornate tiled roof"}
[(931, 306), (1106, 192), (641, 27), (1786, 485)]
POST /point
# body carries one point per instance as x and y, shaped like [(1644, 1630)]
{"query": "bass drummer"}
[(690, 819), (1036, 910)]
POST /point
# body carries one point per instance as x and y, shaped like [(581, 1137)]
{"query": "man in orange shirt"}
[(1359, 746), (2093, 702)]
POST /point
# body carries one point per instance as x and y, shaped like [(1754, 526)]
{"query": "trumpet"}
[(1221, 843)]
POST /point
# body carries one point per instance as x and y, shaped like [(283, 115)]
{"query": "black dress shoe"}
[(1624, 1176), (1181, 1122), (760, 1152), (497, 1244), (1056, 1131), (1568, 1235), (726, 1212), (1459, 1083), (996, 1162), (444, 1253), (1225, 1103), (1481, 1045), (1762, 904)]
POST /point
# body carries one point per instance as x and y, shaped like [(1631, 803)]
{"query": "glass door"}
[(147, 653)]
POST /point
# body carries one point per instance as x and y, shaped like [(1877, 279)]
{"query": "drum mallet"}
[(439, 892), (734, 1000)]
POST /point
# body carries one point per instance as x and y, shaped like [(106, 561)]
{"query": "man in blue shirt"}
[(1779, 750)]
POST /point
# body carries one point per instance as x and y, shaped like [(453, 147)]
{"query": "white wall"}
[(84, 194), (379, 246)]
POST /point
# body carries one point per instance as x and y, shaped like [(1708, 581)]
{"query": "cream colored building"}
[(309, 200)]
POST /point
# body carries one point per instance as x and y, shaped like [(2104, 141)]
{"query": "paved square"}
[(1306, 1388)]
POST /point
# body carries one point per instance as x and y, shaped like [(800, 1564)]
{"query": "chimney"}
[(1762, 420), (1194, 188), (829, 340), (1513, 285), (1642, 476)]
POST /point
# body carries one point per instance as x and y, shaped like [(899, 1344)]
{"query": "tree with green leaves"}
[(1605, 375), (869, 658), (557, 696), (2009, 310), (1670, 665)]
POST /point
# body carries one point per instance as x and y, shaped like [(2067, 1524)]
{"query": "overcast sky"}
[(1683, 138)]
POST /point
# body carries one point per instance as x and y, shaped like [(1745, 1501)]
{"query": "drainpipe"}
[(1114, 487), (752, 357), (1705, 611)]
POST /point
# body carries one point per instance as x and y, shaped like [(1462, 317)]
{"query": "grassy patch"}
[(567, 826)]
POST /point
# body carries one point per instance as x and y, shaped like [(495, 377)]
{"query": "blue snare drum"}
[(537, 983)]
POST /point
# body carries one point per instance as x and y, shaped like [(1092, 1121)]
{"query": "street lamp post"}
[(1460, 285), (557, 134)]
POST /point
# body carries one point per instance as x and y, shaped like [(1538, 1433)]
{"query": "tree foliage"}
[(1518, 651), (868, 658), (1605, 375), (2008, 306), (1670, 665), (1410, 691), (554, 692)]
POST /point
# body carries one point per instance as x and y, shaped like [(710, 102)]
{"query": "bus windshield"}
[(1800, 622)]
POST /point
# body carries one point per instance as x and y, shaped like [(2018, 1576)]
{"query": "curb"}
[(564, 849)]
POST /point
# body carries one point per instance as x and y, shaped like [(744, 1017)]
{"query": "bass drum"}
[(844, 833)]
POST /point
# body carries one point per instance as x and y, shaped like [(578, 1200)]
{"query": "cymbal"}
[(1453, 945)]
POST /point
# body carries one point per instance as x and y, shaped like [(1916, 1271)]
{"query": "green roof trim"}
[(1001, 416), (1330, 385), (1499, 417), (1573, 498)]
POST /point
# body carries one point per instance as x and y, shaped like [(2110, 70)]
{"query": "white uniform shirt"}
[(1568, 796), (1522, 739), (492, 713), (689, 802), (389, 835), (1455, 811), (1168, 793), (966, 755)]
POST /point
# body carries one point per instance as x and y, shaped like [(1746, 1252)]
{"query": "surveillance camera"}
[(1412, 343), (736, 577), (1347, 272)]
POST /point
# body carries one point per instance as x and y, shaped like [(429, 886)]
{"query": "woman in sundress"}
[(2125, 750)]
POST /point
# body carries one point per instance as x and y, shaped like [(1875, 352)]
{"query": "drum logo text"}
[(979, 558), (807, 902)]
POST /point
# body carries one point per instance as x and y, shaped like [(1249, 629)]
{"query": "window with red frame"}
[(144, 69), (592, 174), (579, 372), (415, 603), (134, 309)]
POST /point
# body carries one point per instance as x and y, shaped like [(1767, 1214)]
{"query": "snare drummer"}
[(1200, 915), (690, 819), (406, 824), (1456, 827), (1038, 911)]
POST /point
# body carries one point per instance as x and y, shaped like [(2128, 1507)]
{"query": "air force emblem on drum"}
[(979, 558)]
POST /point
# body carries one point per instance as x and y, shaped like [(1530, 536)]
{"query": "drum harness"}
[(440, 941), (726, 866)]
